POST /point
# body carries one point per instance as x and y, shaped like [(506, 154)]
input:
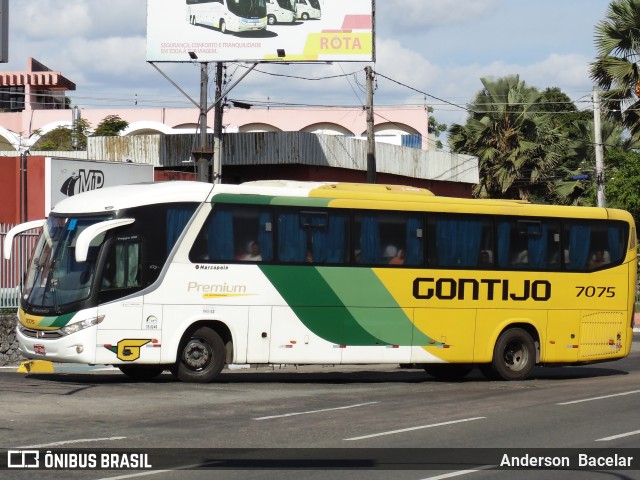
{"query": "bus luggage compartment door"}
[(259, 336)]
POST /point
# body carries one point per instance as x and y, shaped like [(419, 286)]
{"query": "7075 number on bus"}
[(608, 292)]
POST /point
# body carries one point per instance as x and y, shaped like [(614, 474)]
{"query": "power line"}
[(424, 93)]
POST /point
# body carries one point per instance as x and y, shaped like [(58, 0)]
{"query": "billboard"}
[(260, 30), (66, 177)]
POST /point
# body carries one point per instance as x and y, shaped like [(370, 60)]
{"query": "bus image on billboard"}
[(228, 15)]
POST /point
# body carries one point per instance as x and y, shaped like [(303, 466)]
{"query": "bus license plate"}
[(39, 349)]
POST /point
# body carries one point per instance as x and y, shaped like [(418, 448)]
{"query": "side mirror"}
[(18, 229), (92, 231)]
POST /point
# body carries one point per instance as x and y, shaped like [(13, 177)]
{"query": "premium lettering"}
[(219, 288), (485, 289)]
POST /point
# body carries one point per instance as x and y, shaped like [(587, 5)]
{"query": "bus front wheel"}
[(223, 27), (200, 358), (271, 20), (514, 356)]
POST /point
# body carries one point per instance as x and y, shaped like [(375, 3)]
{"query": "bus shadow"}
[(328, 377), (572, 373), (292, 24)]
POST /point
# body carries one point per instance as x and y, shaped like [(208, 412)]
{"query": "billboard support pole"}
[(217, 127), (203, 154), (174, 84), (371, 138)]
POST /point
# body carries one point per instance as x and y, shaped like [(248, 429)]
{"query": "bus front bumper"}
[(78, 347)]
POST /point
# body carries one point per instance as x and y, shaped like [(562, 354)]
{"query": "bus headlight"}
[(76, 327)]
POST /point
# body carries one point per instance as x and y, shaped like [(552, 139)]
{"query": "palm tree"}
[(572, 188), (518, 148), (616, 69)]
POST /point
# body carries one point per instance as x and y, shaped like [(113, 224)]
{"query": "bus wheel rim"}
[(516, 356), (197, 354)]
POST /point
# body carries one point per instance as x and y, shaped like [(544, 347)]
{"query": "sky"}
[(439, 49)]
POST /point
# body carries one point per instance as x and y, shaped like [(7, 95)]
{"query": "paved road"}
[(328, 410)]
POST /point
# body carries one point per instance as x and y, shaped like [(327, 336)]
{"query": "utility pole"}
[(203, 153), (217, 127), (75, 119), (597, 127), (371, 137)]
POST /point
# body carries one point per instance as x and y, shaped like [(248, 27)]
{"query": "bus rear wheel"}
[(448, 371), (142, 372), (514, 356), (200, 358)]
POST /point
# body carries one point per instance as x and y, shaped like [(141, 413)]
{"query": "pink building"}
[(34, 104)]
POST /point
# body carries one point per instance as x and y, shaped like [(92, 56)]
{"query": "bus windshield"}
[(315, 4), (248, 8), (287, 5), (54, 278)]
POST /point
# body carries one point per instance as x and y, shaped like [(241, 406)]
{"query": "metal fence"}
[(11, 271)]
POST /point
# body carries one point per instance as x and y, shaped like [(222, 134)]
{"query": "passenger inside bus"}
[(398, 259), (389, 253), (253, 253), (598, 259), (485, 259)]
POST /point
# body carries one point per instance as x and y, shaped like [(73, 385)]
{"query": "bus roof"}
[(356, 195), (127, 196), (331, 194)]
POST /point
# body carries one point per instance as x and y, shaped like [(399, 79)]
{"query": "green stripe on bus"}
[(325, 300), (241, 199), (373, 306), (59, 321), (317, 306), (270, 200)]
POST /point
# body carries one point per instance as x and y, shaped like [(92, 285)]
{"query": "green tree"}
[(615, 70), (582, 191), (564, 113), (517, 145), (62, 138), (110, 126), (623, 182), (435, 128)]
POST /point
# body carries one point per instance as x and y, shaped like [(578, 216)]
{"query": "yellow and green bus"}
[(190, 277)]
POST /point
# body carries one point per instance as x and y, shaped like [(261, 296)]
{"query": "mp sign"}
[(260, 30), (67, 177)]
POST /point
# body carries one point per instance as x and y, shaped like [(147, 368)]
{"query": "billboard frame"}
[(345, 32)]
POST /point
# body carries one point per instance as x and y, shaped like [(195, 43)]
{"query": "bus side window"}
[(368, 243), (594, 245), (458, 240), (529, 243), (388, 238), (318, 237), (234, 232), (327, 235), (123, 265), (122, 271)]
